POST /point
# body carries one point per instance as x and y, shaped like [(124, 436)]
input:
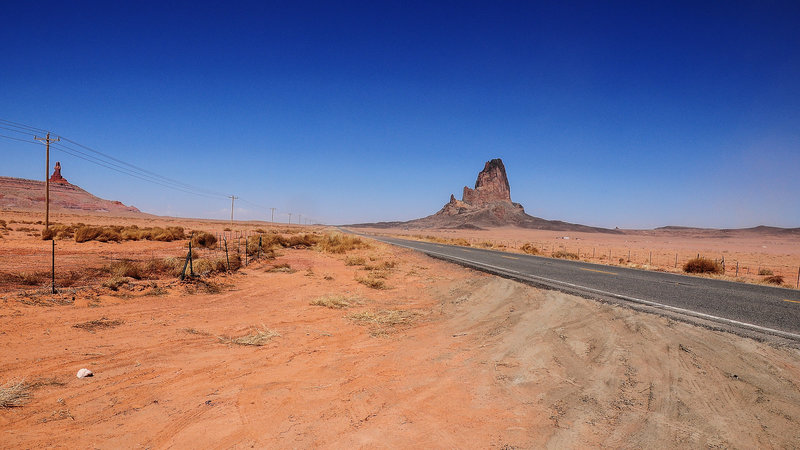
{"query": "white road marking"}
[(687, 312)]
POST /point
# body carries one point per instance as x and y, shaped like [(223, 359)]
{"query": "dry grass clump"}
[(774, 279), (204, 239), (702, 265), (206, 266), (529, 249), (381, 266), (765, 272), (100, 234), (128, 269), (14, 394), (355, 261), (284, 268), (100, 323), (3, 224), (116, 233), (565, 255), (373, 282), (340, 243), (334, 301), (257, 337), (383, 321)]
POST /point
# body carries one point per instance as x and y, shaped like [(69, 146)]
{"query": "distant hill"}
[(488, 205), (19, 194)]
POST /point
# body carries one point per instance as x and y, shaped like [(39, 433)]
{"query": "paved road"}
[(756, 308)]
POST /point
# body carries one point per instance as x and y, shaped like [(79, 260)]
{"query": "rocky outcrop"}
[(488, 205), (56, 177), (491, 185)]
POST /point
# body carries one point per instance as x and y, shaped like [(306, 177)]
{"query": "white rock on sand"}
[(83, 373)]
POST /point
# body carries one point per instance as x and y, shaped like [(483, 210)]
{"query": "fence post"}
[(227, 259), (723, 265), (245, 249), (53, 267), (651, 258), (798, 278), (259, 247), (676, 260), (737, 268), (186, 263)]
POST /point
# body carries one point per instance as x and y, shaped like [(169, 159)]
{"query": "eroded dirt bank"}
[(462, 359)]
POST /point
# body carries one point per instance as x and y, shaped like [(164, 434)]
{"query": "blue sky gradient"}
[(629, 114)]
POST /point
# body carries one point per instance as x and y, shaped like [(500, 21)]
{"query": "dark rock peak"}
[(490, 187)]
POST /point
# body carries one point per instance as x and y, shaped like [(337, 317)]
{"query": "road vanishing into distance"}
[(740, 306)]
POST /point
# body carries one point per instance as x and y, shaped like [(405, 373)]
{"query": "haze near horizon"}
[(626, 115)]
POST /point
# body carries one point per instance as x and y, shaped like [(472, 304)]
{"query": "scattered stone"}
[(83, 373)]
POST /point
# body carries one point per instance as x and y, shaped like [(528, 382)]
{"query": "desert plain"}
[(370, 346)]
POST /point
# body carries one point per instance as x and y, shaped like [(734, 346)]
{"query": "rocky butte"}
[(487, 205)]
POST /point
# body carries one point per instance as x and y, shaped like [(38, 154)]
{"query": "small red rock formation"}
[(56, 177)]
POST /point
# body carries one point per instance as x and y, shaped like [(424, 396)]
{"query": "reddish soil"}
[(461, 359)]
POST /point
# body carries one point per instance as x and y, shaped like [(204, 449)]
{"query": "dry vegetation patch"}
[(335, 301), (257, 337), (383, 321), (702, 265), (565, 255), (529, 249), (98, 324), (14, 394)]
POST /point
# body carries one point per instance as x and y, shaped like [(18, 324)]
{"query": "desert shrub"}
[(565, 255), (236, 262), (774, 279), (3, 224), (25, 229), (209, 266), (48, 234), (203, 239), (340, 243), (128, 269), (702, 265), (260, 230), (100, 234), (373, 282), (764, 272), (355, 261), (226, 229), (529, 249)]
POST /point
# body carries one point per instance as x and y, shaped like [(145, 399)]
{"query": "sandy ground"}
[(654, 250), (477, 362)]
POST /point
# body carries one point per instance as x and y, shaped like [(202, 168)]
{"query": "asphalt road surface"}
[(750, 307)]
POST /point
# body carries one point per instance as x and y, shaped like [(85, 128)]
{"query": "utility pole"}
[(273, 215), (232, 199), (300, 219), (47, 142), (290, 218)]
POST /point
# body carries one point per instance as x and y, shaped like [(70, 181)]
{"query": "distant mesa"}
[(487, 205), (18, 194)]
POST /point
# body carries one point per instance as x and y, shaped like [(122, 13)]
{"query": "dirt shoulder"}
[(442, 356)]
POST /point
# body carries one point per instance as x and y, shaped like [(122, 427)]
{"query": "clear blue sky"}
[(631, 114)]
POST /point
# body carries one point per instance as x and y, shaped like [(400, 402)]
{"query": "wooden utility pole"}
[(47, 142), (300, 219), (273, 215), (232, 199), (290, 218)]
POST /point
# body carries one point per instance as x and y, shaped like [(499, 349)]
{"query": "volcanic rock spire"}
[(491, 185)]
